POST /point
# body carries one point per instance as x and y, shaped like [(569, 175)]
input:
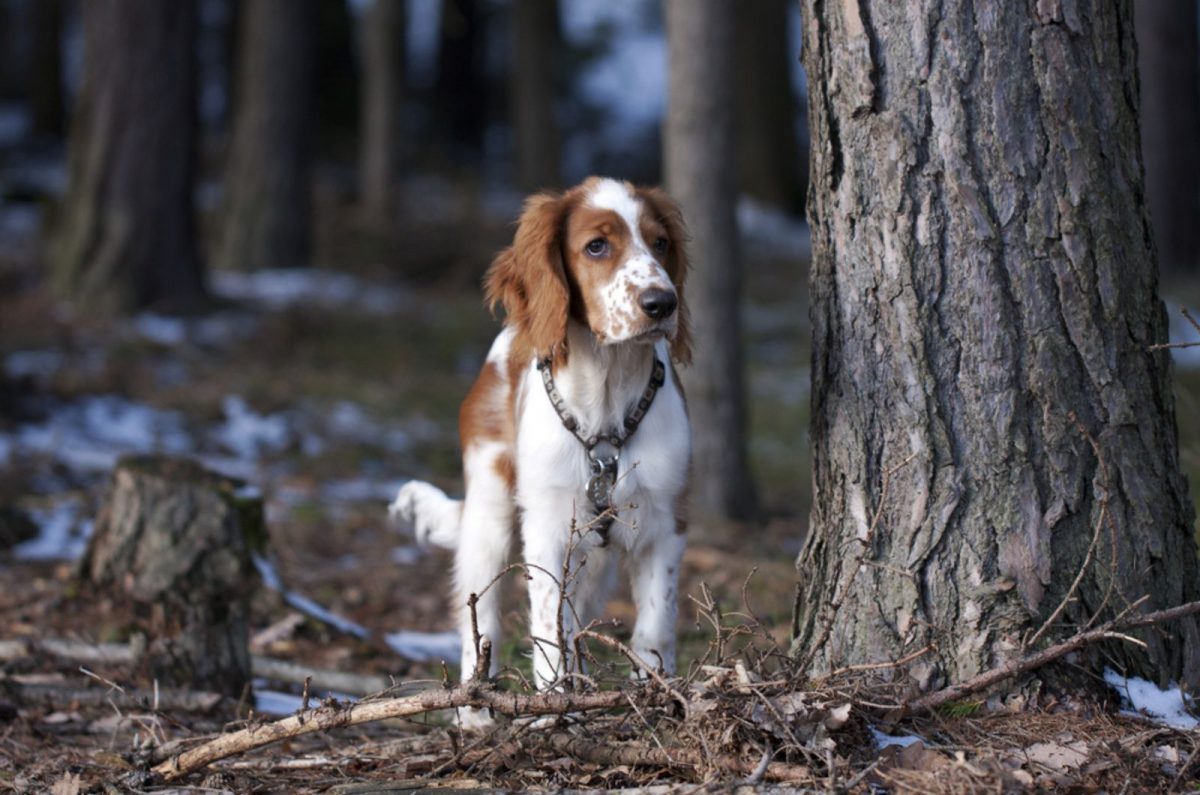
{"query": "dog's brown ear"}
[(666, 211), (529, 281)]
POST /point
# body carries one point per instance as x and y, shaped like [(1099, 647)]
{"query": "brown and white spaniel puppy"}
[(576, 429)]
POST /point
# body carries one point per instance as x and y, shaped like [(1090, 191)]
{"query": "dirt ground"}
[(328, 393)]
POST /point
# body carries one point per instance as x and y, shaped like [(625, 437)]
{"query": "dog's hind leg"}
[(486, 535)]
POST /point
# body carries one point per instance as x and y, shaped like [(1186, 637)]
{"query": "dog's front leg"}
[(654, 577), (546, 533)]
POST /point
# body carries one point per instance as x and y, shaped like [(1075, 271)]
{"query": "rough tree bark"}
[(268, 204), (1170, 81), (125, 237), (699, 157), (175, 540), (983, 299), (770, 164), (382, 97), (535, 76)]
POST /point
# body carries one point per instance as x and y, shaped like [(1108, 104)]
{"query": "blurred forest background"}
[(253, 232)]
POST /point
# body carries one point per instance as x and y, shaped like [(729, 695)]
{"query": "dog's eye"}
[(660, 245), (597, 247)]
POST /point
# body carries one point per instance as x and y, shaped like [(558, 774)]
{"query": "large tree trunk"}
[(536, 67), (382, 96), (126, 235), (770, 165), (698, 150), (983, 299), (268, 204), (1169, 64)]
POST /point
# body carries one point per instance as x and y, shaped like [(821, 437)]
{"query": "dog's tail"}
[(436, 519)]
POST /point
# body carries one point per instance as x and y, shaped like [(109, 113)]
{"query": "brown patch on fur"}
[(664, 210), (485, 413), (506, 469)]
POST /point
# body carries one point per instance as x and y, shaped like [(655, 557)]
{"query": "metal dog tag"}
[(603, 458)]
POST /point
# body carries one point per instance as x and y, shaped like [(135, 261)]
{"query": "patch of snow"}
[(274, 702), (1148, 699), (425, 646), (302, 603), (62, 533), (217, 329), (37, 364), (247, 434), (5, 450), (771, 231), (351, 421), (903, 740), (92, 433), (281, 288), (407, 555), (361, 490)]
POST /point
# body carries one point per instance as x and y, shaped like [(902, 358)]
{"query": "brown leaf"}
[(69, 784), (1059, 757)]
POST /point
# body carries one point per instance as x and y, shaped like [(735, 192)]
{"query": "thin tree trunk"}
[(770, 164), (45, 68), (382, 98), (983, 299), (1169, 66), (536, 67), (268, 204), (461, 99), (125, 237), (698, 144)]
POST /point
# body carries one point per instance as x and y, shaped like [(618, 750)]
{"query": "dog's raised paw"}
[(434, 516)]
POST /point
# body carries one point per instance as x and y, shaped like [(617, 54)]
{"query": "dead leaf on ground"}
[(1059, 757)]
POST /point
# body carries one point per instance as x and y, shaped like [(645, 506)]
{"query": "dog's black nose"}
[(658, 303)]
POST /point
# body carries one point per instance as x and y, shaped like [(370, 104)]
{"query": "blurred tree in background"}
[(536, 74), (125, 236), (383, 75), (699, 153), (45, 87), (770, 166), (267, 217), (1169, 66), (462, 95)]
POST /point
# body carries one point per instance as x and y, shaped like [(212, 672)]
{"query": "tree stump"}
[(175, 540)]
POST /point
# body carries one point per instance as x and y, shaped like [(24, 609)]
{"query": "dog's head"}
[(605, 253)]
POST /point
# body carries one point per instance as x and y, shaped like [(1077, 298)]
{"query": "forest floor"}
[(329, 388)]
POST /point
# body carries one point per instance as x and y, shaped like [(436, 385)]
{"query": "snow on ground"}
[(415, 646), (63, 533), (903, 740), (425, 646), (281, 288), (274, 702), (1147, 699), (90, 434), (248, 434), (217, 330)]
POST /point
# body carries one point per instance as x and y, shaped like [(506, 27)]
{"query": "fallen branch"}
[(1048, 655), (165, 699), (469, 694), (76, 651)]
